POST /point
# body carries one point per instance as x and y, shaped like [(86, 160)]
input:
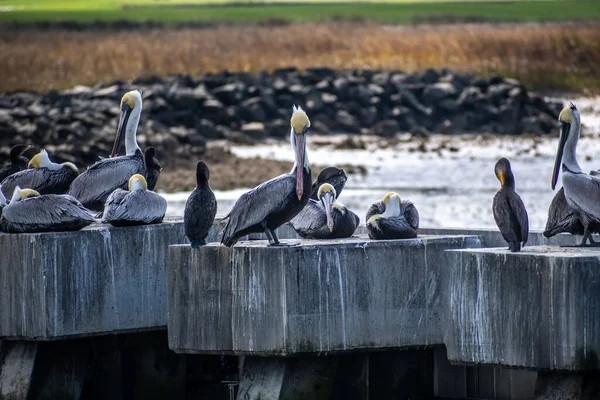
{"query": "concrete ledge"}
[(539, 308), (98, 280), (320, 296)]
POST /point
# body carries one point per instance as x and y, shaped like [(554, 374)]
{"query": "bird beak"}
[(327, 201), (564, 133), (125, 113), (26, 148), (300, 149), (501, 178)]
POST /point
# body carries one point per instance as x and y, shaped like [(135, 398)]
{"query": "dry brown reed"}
[(543, 56)]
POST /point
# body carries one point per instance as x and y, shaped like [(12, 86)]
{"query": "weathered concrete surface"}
[(538, 308), (319, 296), (98, 280), (16, 368), (493, 237)]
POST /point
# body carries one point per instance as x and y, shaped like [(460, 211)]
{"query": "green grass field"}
[(394, 11)]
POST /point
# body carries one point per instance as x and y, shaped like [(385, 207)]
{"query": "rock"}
[(208, 130), (386, 128), (430, 76), (347, 123), (438, 91), (280, 128), (469, 96), (228, 94), (255, 130)]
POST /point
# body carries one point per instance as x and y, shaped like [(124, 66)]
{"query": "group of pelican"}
[(47, 196)]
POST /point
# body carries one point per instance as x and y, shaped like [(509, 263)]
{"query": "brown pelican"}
[(392, 218), (17, 161), (336, 177), (561, 217), (43, 176), (153, 167), (325, 218), (28, 211), (136, 206), (509, 211), (275, 202), (581, 190), (93, 187), (200, 208)]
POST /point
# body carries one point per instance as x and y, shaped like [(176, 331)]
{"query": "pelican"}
[(509, 211), (561, 217), (392, 218), (336, 177), (18, 162), (136, 206), (582, 191), (325, 218), (43, 176), (93, 187), (28, 212), (200, 208), (153, 167), (275, 202)]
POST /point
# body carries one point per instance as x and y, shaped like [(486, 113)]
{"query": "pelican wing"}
[(311, 217), (410, 213), (256, 205), (113, 202), (31, 178), (46, 210), (376, 208), (584, 191), (102, 178), (141, 206)]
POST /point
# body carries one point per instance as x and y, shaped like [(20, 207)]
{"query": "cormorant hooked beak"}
[(125, 113), (300, 154), (564, 134)]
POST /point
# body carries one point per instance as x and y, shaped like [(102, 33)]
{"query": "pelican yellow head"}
[(325, 188), (22, 194), (299, 121), (40, 160), (389, 195), (131, 98), (137, 182), (374, 219)]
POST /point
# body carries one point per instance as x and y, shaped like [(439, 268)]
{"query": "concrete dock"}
[(450, 314)]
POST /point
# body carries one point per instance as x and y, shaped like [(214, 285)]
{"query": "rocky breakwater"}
[(182, 113)]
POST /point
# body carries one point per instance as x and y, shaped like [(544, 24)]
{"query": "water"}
[(452, 184)]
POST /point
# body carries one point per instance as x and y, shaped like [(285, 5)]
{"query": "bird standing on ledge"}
[(200, 208), (509, 211), (275, 202)]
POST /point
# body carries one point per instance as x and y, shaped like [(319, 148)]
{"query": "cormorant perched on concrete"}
[(153, 167), (509, 211), (200, 208), (336, 177), (275, 202), (18, 162)]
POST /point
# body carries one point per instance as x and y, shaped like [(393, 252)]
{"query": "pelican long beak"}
[(327, 199), (564, 134), (125, 113), (300, 150)]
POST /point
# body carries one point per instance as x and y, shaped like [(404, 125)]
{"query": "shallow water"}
[(452, 184)]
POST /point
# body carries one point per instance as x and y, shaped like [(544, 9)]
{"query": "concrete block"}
[(16, 369), (319, 296), (98, 280), (537, 308)]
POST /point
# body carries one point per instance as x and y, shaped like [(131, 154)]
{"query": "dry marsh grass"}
[(544, 56)]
